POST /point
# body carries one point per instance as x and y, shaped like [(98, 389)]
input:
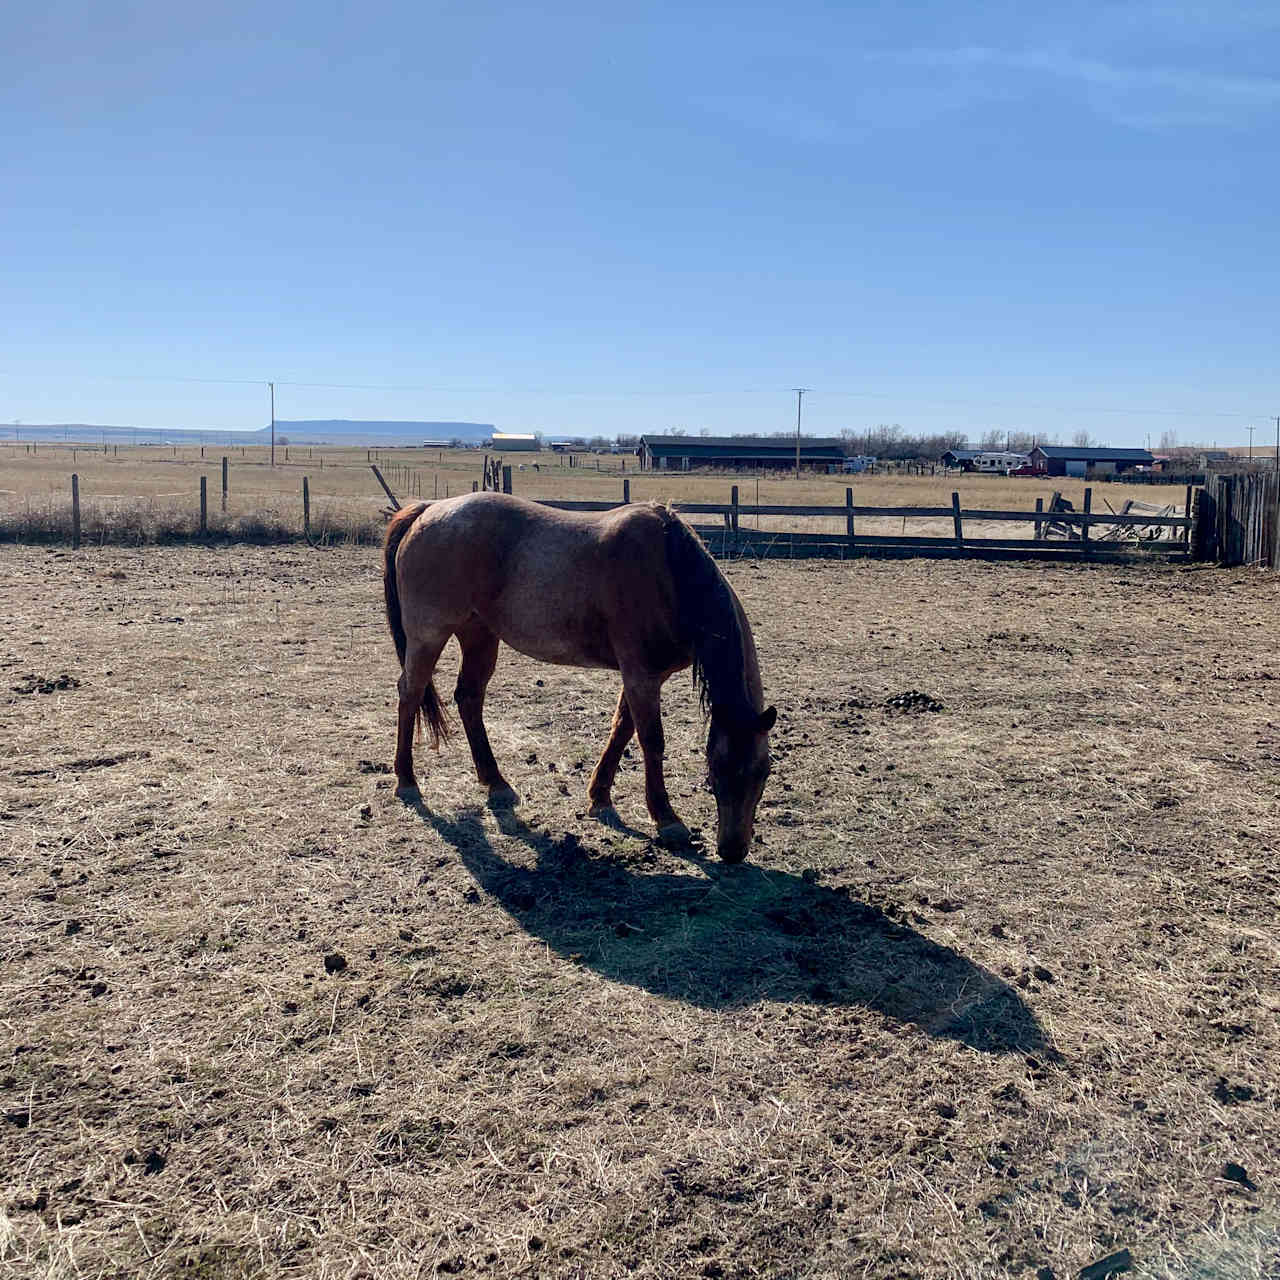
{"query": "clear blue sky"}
[(625, 217)]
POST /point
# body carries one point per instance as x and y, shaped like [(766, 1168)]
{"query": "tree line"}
[(890, 442)]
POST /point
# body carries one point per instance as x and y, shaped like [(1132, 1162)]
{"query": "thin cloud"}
[(1133, 93)]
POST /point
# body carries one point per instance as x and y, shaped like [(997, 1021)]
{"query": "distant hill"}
[(310, 431), (356, 431)]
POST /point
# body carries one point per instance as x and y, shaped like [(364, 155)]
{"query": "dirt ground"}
[(996, 993)]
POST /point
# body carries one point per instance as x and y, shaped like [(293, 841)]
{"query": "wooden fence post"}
[(1186, 511), (733, 515), (506, 479), (306, 509), (626, 489), (955, 519), (75, 513), (224, 486), (475, 486), (848, 515), (204, 505), (386, 488), (1084, 524), (1039, 525)]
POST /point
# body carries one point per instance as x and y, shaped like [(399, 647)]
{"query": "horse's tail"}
[(432, 708), (399, 525)]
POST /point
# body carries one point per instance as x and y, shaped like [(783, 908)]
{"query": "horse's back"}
[(556, 585)]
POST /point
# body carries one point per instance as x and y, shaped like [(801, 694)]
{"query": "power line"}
[(1022, 407)]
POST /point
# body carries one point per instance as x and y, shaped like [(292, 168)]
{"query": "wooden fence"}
[(1239, 519), (731, 538)]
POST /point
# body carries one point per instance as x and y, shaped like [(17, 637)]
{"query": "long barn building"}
[(736, 453), (1074, 460)]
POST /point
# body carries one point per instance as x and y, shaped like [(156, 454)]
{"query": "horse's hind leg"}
[(600, 790), (479, 657), (420, 660)]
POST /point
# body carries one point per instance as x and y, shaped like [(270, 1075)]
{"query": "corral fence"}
[(1163, 536), (1239, 519)]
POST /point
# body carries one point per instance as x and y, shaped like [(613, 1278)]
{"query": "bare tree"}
[(1082, 440)]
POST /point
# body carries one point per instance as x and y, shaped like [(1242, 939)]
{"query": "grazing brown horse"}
[(632, 590)]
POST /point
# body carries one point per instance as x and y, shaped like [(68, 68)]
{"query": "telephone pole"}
[(1251, 431), (272, 385), (800, 397), (1277, 417)]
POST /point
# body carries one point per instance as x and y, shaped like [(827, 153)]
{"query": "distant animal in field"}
[(631, 590)]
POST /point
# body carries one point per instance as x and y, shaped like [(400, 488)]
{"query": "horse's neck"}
[(753, 688)]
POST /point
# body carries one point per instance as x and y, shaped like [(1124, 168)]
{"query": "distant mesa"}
[(347, 431)]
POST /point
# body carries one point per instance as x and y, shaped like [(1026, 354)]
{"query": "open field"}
[(35, 489), (997, 993)]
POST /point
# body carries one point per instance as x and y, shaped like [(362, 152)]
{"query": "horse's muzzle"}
[(732, 850)]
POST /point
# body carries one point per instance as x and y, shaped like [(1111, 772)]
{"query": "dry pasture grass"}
[(996, 994)]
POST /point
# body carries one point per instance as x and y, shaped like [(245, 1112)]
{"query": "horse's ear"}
[(767, 720)]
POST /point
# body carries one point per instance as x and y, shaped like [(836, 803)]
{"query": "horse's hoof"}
[(410, 795), (606, 814), (674, 833), (502, 797)]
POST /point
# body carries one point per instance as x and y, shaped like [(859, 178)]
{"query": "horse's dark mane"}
[(708, 622)]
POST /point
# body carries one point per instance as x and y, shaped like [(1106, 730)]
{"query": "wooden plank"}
[(1039, 523), (1094, 518), (848, 517), (836, 540), (386, 488), (1084, 524), (957, 519)]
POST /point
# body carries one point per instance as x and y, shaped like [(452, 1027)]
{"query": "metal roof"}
[(740, 447), (1072, 453)]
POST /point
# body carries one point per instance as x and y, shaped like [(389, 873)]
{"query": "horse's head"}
[(737, 767)]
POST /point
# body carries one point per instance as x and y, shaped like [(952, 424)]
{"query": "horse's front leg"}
[(600, 789), (645, 699)]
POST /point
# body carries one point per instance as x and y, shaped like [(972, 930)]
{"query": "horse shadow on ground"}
[(723, 937)]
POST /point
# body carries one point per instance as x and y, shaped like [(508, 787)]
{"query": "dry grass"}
[(996, 994), (35, 491)]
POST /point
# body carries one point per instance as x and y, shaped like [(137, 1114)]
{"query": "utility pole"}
[(1278, 443), (272, 385), (1251, 431), (800, 397)]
